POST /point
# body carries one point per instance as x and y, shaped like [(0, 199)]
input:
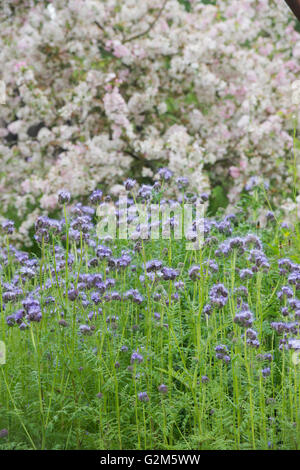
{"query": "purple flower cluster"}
[(8, 226), (244, 317), (222, 353), (218, 295), (99, 272), (64, 197)]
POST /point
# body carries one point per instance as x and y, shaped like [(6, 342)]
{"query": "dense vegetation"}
[(141, 343)]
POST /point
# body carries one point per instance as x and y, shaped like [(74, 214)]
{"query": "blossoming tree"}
[(99, 90)]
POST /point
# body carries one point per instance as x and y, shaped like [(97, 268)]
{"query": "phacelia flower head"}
[(163, 389), (73, 294), (165, 174), (129, 184), (64, 197), (143, 396), (85, 329), (218, 295), (244, 317), (266, 372), (182, 182), (153, 265), (204, 197), (8, 226), (169, 274), (194, 272), (136, 357), (96, 196), (222, 353)]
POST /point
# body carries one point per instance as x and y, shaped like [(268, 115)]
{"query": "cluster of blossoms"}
[(96, 280), (218, 295), (222, 353), (244, 317), (251, 336), (97, 91)]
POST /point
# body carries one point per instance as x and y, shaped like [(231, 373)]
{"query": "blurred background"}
[(100, 90)]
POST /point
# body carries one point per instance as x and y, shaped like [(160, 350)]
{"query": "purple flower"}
[(153, 265), (218, 295), (136, 357), (163, 388), (221, 349), (85, 329), (103, 252), (93, 262), (268, 357), (246, 274), (182, 182), (224, 227), (95, 297), (279, 327), (259, 258), (3, 433), (165, 174), (204, 197), (244, 317), (294, 278), (251, 334), (207, 309), (143, 396), (221, 353), (169, 274), (253, 240), (237, 243), (254, 343), (129, 184), (266, 372), (241, 290), (285, 311), (285, 291), (8, 226), (96, 196), (179, 285), (145, 191), (73, 294), (194, 272), (64, 197), (10, 320), (115, 296)]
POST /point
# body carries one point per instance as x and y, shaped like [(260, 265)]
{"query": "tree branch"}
[(148, 163), (295, 7), (102, 44), (136, 36)]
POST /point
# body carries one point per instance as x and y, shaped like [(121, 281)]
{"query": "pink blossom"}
[(234, 171)]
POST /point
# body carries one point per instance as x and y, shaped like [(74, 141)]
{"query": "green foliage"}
[(218, 199)]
